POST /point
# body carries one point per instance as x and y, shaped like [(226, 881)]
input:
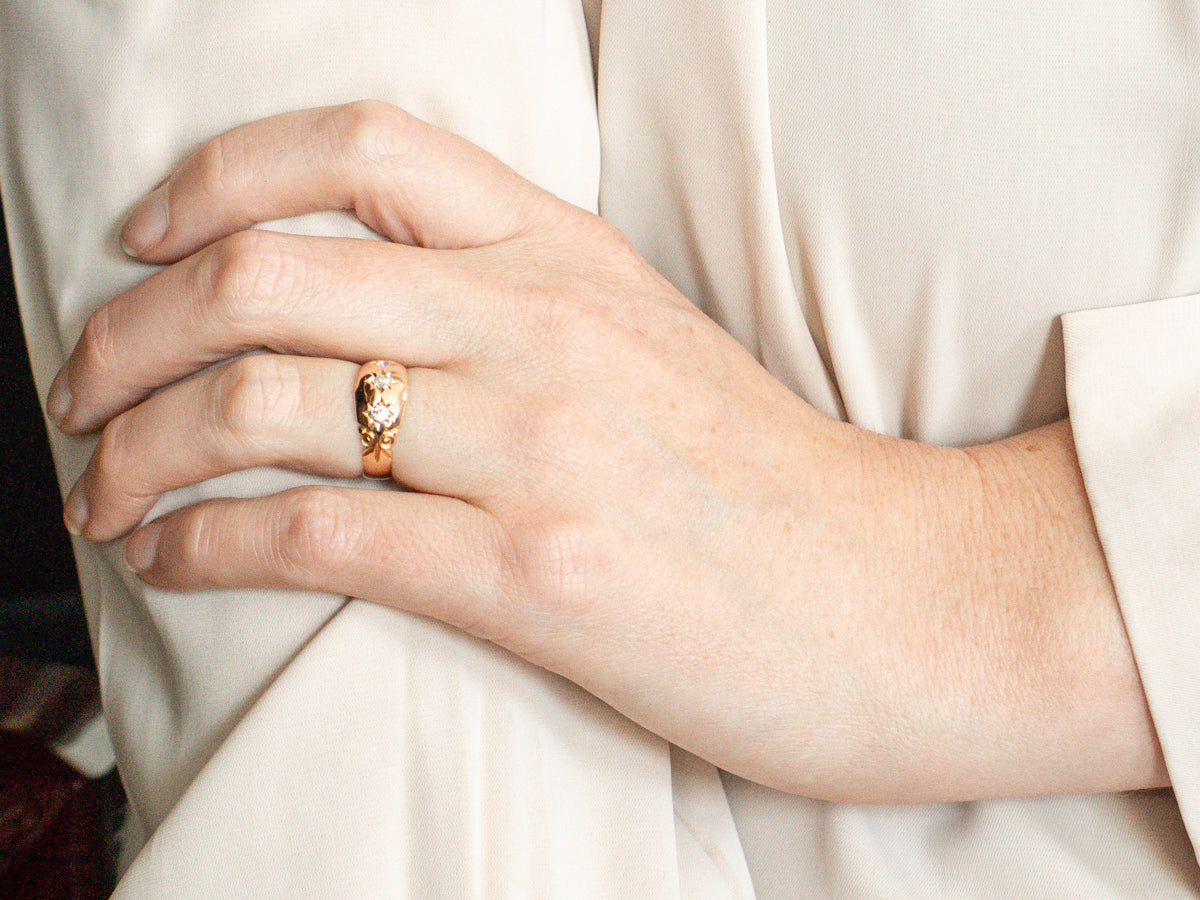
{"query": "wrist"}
[(985, 648)]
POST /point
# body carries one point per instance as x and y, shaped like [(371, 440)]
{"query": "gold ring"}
[(380, 393)]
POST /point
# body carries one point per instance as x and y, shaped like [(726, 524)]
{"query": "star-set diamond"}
[(381, 381), (383, 415)]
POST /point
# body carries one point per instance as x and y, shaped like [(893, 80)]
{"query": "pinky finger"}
[(432, 555)]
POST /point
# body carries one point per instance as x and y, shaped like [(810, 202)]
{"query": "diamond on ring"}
[(383, 415), (380, 392)]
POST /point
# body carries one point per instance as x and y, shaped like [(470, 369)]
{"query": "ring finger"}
[(270, 410)]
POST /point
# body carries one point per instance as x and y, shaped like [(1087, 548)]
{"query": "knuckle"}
[(550, 435), (610, 243), (256, 396), (109, 457), (98, 342), (593, 333), (608, 247), (566, 322), (195, 543), (556, 564), (320, 532), (216, 163), (371, 131), (121, 483), (251, 275)]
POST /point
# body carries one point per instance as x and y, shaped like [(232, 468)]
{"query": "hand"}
[(600, 479)]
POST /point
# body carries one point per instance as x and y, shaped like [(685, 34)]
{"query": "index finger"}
[(412, 182)]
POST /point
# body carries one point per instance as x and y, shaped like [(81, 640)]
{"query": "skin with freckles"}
[(598, 478)]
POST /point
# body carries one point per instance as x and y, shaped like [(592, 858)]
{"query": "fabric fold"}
[(424, 764), (1133, 382)]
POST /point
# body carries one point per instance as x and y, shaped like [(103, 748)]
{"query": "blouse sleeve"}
[(276, 743), (1133, 387)]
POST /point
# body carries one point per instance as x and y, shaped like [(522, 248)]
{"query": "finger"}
[(410, 181), (343, 298), (267, 410), (436, 555)]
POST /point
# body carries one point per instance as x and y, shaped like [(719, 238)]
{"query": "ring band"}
[(380, 392)]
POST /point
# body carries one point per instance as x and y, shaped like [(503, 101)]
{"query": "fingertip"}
[(75, 511), (147, 224), (58, 401), (141, 550)]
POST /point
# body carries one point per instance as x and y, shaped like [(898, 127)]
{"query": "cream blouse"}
[(902, 208), (947, 220)]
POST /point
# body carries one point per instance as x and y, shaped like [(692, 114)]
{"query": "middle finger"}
[(335, 297)]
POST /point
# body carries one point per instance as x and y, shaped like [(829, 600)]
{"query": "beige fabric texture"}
[(946, 221)]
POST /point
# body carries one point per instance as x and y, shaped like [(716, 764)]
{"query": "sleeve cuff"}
[(1133, 389)]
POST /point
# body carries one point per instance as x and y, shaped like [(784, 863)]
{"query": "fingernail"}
[(75, 511), (58, 401), (147, 224), (142, 547)]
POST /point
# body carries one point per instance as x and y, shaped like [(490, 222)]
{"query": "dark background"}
[(40, 611), (58, 830)]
